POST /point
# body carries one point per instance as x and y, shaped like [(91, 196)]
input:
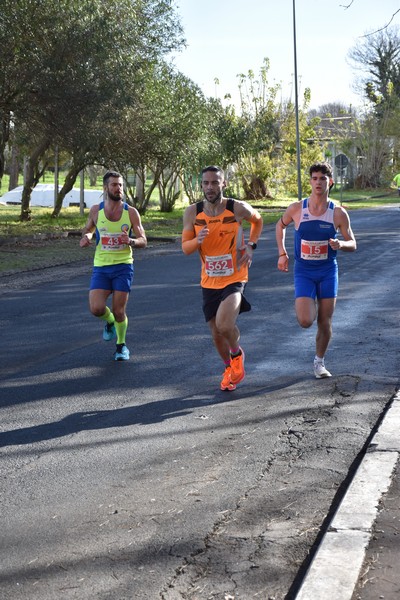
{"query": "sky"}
[(228, 37)]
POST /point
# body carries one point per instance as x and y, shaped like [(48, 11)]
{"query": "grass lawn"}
[(23, 249), (161, 224)]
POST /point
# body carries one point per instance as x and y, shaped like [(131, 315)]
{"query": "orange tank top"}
[(220, 250)]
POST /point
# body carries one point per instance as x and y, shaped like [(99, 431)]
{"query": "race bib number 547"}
[(314, 250), (219, 266)]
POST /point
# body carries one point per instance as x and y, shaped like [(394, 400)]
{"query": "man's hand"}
[(335, 244), (125, 239), (85, 240), (283, 263), (247, 256), (203, 233)]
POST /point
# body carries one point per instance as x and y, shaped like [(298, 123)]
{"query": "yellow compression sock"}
[(121, 329), (108, 316)]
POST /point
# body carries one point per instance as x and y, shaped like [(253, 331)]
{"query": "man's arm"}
[(280, 235), (244, 211), (140, 239), (88, 230), (256, 224), (191, 242), (342, 222)]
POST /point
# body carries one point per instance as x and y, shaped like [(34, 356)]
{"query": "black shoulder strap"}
[(229, 205), (199, 207)]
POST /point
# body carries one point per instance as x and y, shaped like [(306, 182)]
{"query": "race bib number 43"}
[(314, 250), (219, 266), (111, 242)]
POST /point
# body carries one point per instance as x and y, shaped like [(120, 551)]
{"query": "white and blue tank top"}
[(311, 238)]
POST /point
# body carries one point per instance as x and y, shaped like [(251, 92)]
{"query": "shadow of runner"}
[(144, 414)]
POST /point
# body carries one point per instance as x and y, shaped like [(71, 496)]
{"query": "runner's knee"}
[(305, 321)]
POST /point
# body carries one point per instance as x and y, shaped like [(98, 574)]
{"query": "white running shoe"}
[(320, 371)]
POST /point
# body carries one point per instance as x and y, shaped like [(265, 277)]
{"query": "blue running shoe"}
[(109, 332), (121, 353)]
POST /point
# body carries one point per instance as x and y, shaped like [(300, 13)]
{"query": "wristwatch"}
[(252, 245)]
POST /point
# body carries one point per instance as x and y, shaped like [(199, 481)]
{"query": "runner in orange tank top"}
[(213, 227)]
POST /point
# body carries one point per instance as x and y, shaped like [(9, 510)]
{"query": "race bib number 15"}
[(314, 250), (219, 266)]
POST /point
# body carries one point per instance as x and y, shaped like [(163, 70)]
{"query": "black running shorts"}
[(212, 299)]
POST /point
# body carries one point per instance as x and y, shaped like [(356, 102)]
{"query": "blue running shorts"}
[(316, 282), (113, 278)]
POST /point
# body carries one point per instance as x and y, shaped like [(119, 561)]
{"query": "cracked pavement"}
[(143, 480)]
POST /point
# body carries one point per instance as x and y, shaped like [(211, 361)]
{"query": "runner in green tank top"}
[(114, 223)]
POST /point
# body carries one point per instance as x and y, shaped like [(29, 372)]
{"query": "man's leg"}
[(220, 342), (326, 307), (225, 320), (119, 304), (98, 307), (224, 330), (306, 311), (97, 302), (226, 317), (226, 338)]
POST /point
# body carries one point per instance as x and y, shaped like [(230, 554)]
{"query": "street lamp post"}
[(296, 94)]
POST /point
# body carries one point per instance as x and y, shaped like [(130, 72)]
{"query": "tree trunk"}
[(191, 187), (169, 190), (93, 174), (14, 168), (142, 196), (32, 176), (69, 181), (254, 189), (139, 199), (4, 137)]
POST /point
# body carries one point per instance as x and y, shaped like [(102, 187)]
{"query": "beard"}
[(215, 199), (114, 197)]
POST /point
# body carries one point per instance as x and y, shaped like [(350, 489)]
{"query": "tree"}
[(331, 110), (164, 129), (371, 149), (77, 66), (258, 130), (311, 148), (17, 57), (179, 125), (377, 56), (263, 136)]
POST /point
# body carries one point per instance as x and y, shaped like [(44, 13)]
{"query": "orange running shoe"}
[(237, 367), (226, 383)]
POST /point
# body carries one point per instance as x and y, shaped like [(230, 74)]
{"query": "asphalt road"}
[(141, 480)]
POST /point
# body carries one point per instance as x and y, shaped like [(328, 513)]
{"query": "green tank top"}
[(109, 249)]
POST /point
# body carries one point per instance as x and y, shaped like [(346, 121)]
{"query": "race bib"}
[(314, 250), (219, 266), (111, 241)]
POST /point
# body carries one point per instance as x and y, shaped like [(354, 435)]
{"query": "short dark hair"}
[(213, 169), (110, 174), (322, 167)]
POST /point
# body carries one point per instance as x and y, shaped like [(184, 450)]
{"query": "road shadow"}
[(148, 413)]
